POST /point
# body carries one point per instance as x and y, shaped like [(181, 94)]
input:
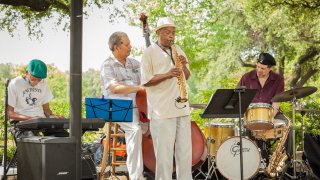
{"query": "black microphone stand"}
[(240, 91)]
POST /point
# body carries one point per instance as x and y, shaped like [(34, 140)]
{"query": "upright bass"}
[(199, 146)]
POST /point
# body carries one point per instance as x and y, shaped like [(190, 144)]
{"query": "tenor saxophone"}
[(181, 78), (279, 156)]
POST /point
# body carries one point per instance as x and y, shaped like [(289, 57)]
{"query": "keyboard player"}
[(28, 98)]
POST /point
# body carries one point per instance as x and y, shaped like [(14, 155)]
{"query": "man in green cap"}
[(28, 98)]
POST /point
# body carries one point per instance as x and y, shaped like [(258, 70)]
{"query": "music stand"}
[(228, 103), (111, 110)]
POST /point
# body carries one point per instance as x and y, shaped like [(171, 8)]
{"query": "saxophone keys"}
[(273, 175)]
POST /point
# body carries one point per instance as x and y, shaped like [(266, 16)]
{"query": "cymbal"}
[(198, 106), (295, 92)]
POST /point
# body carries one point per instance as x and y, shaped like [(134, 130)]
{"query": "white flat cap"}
[(165, 22)]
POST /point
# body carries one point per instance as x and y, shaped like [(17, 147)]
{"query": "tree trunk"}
[(281, 66), (243, 64), (299, 80)]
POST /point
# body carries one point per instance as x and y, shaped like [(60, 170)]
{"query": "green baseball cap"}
[(37, 68)]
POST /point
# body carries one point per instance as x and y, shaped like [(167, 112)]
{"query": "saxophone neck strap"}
[(164, 50)]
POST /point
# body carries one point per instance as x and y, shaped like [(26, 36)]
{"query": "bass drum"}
[(228, 158), (199, 149)]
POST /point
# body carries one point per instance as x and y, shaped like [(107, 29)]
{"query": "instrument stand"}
[(295, 161), (228, 103), (211, 160), (292, 95), (240, 91), (294, 149), (111, 110), (303, 128), (211, 168)]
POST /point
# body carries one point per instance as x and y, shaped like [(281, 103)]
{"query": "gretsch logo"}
[(235, 149)]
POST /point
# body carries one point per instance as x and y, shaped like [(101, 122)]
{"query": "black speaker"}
[(312, 152), (46, 158)]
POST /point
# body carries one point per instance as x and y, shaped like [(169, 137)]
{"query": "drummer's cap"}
[(266, 59)]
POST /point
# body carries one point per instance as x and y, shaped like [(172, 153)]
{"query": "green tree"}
[(34, 14), (91, 83)]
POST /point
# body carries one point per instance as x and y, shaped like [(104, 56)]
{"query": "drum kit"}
[(223, 138)]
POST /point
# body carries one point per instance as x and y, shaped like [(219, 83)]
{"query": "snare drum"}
[(218, 133), (228, 158), (275, 133), (259, 116)]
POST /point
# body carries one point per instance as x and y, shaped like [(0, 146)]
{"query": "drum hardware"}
[(292, 95), (211, 160), (228, 103), (216, 133), (212, 141), (303, 112), (263, 164)]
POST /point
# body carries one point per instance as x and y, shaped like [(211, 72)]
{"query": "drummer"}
[(268, 84)]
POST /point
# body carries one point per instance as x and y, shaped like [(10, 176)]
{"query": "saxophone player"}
[(170, 124)]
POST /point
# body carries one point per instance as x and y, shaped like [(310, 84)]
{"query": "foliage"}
[(34, 17), (220, 37), (91, 84)]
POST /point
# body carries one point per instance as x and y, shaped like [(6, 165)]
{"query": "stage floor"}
[(121, 172)]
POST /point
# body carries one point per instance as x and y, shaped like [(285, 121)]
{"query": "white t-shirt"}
[(28, 100), (161, 97)]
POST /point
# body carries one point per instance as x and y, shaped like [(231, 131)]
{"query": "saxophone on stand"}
[(279, 156), (181, 78)]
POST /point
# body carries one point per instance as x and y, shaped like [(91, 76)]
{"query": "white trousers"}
[(133, 136), (172, 137)]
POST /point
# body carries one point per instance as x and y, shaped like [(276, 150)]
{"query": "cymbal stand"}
[(294, 103), (303, 128)]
